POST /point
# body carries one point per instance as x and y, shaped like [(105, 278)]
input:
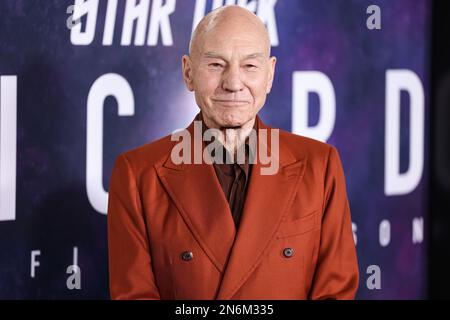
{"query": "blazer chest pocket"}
[(298, 226)]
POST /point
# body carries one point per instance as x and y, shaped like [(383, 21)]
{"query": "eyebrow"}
[(212, 54)]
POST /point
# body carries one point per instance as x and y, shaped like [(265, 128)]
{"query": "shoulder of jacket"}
[(302, 146), (149, 154)]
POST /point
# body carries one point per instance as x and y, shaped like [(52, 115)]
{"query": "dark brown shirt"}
[(233, 177)]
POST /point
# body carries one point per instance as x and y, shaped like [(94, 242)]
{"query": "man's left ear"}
[(272, 63)]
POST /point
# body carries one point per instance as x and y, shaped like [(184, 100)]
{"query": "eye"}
[(215, 65), (250, 66)]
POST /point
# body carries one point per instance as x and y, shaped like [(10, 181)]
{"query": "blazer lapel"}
[(268, 198), (196, 192)]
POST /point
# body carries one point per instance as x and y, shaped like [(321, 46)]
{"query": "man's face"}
[(231, 74)]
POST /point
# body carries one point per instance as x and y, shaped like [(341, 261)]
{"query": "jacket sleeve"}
[(130, 268), (336, 275)]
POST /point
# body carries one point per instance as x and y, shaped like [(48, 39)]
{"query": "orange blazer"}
[(171, 234)]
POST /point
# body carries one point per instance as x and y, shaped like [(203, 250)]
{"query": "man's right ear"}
[(187, 72)]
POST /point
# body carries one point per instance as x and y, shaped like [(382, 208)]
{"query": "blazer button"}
[(187, 256), (288, 252)]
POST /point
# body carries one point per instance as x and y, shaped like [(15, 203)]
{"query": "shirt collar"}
[(249, 152)]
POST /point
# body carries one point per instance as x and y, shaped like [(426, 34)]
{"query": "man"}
[(231, 231)]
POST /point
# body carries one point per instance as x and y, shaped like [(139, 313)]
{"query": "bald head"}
[(229, 19), (229, 67)]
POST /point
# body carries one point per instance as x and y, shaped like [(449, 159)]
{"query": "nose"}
[(232, 81)]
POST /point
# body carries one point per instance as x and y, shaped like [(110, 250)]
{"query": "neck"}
[(232, 137)]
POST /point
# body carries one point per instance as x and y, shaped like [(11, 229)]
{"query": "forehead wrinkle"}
[(212, 54), (254, 55)]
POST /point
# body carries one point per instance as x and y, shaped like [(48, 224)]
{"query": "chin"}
[(233, 121)]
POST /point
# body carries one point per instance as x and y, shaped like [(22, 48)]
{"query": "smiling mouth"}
[(231, 102)]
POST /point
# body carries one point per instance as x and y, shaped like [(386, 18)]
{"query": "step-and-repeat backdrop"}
[(82, 81)]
